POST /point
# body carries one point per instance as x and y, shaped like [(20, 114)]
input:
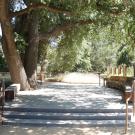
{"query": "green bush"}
[(3, 64)]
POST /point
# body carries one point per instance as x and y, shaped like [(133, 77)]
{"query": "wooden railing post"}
[(114, 70), (110, 70), (124, 70), (119, 70)]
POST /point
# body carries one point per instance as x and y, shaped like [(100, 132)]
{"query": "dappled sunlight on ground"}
[(68, 95), (62, 131), (63, 95)]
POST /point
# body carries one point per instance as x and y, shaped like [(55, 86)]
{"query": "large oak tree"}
[(16, 68)]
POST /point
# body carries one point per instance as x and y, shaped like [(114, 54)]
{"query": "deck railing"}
[(132, 96)]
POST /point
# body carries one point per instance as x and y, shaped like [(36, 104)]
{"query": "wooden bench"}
[(124, 84), (11, 91)]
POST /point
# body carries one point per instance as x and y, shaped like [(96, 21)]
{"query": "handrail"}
[(133, 87), (132, 95), (2, 96), (127, 111)]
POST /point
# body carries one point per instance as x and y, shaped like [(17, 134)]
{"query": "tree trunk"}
[(16, 68), (31, 55)]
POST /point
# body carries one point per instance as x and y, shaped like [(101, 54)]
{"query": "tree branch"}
[(62, 28), (36, 6)]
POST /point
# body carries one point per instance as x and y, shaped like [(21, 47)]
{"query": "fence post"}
[(110, 70), (124, 70), (114, 70), (119, 70)]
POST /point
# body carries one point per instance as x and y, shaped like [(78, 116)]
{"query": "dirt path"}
[(91, 78)]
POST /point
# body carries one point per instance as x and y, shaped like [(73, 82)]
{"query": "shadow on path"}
[(65, 95)]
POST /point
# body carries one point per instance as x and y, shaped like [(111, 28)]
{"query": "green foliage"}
[(3, 64), (99, 49), (125, 56), (91, 47), (42, 52), (20, 43), (69, 53), (84, 58)]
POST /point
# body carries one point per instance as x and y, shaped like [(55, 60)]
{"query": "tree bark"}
[(16, 68), (31, 55)]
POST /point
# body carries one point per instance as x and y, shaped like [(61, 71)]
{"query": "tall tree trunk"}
[(16, 68), (31, 55)]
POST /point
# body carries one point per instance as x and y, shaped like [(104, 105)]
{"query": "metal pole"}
[(134, 69), (134, 98), (126, 122), (99, 78)]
